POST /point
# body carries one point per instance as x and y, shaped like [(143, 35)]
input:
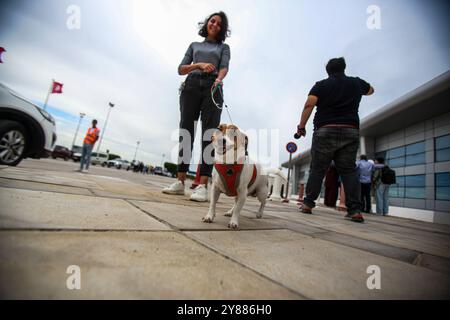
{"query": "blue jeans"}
[(382, 198), (340, 145), (86, 155)]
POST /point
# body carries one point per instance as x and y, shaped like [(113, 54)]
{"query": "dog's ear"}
[(222, 127)]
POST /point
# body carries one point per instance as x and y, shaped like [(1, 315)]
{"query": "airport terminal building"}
[(413, 135)]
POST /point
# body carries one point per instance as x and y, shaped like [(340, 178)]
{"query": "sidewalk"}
[(133, 242)]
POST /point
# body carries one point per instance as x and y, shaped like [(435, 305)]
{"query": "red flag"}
[(57, 87), (1, 51)]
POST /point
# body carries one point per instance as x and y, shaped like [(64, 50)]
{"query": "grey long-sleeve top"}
[(208, 52)]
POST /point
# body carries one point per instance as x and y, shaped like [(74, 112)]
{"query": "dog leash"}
[(213, 90)]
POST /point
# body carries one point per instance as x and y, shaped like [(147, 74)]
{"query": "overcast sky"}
[(127, 52)]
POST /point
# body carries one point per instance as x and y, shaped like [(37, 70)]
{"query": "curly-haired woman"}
[(206, 64)]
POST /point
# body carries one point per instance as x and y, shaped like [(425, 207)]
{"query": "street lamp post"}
[(111, 105), (162, 160), (135, 153), (78, 127)]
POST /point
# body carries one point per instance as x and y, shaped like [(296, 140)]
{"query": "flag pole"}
[(48, 93)]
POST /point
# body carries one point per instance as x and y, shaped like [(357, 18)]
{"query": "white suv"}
[(99, 158), (26, 130)]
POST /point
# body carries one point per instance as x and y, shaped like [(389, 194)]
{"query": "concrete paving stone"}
[(150, 196), (320, 269), (297, 227), (29, 185), (397, 221), (45, 210), (124, 265), (434, 263), (370, 246), (392, 235), (115, 195), (412, 239), (190, 217), (71, 179)]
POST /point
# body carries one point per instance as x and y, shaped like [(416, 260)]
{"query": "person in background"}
[(381, 190), (91, 138), (365, 169), (336, 134)]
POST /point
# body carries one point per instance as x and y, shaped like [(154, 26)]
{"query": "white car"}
[(123, 164), (26, 130), (99, 158)]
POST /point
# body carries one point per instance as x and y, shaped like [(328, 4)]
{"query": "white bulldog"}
[(234, 175)]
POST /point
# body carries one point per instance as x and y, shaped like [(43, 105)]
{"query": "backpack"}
[(387, 175)]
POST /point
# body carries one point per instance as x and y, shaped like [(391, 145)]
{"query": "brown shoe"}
[(305, 209)]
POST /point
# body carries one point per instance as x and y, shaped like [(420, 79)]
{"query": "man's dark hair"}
[(380, 160), (336, 65), (94, 121), (224, 31), (363, 157)]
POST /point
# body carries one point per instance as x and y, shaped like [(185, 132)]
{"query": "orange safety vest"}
[(91, 135)]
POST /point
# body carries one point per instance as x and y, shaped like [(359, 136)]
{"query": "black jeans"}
[(195, 103), (365, 196), (340, 145)]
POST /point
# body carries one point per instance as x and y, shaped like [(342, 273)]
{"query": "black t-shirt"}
[(338, 100)]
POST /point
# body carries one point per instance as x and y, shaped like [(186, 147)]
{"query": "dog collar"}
[(230, 175)]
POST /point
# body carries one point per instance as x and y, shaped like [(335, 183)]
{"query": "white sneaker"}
[(200, 194), (174, 188), (85, 171)]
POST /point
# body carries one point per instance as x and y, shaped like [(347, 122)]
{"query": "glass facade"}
[(443, 186), (412, 187), (409, 155), (442, 147)]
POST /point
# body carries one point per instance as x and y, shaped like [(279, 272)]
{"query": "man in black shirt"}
[(336, 134)]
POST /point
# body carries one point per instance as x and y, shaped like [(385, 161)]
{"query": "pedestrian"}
[(90, 139), (206, 64), (331, 186), (365, 169), (381, 189), (336, 134)]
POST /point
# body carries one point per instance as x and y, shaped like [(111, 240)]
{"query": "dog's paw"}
[(229, 213), (208, 219), (233, 225), (259, 215)]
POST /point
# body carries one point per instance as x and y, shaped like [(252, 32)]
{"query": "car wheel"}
[(65, 159), (13, 142)]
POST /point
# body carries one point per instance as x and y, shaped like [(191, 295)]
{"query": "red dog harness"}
[(230, 175)]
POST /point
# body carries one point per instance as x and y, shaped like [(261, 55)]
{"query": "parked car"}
[(76, 153), (158, 171), (99, 158), (112, 163), (167, 173), (26, 130), (61, 152), (125, 164)]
